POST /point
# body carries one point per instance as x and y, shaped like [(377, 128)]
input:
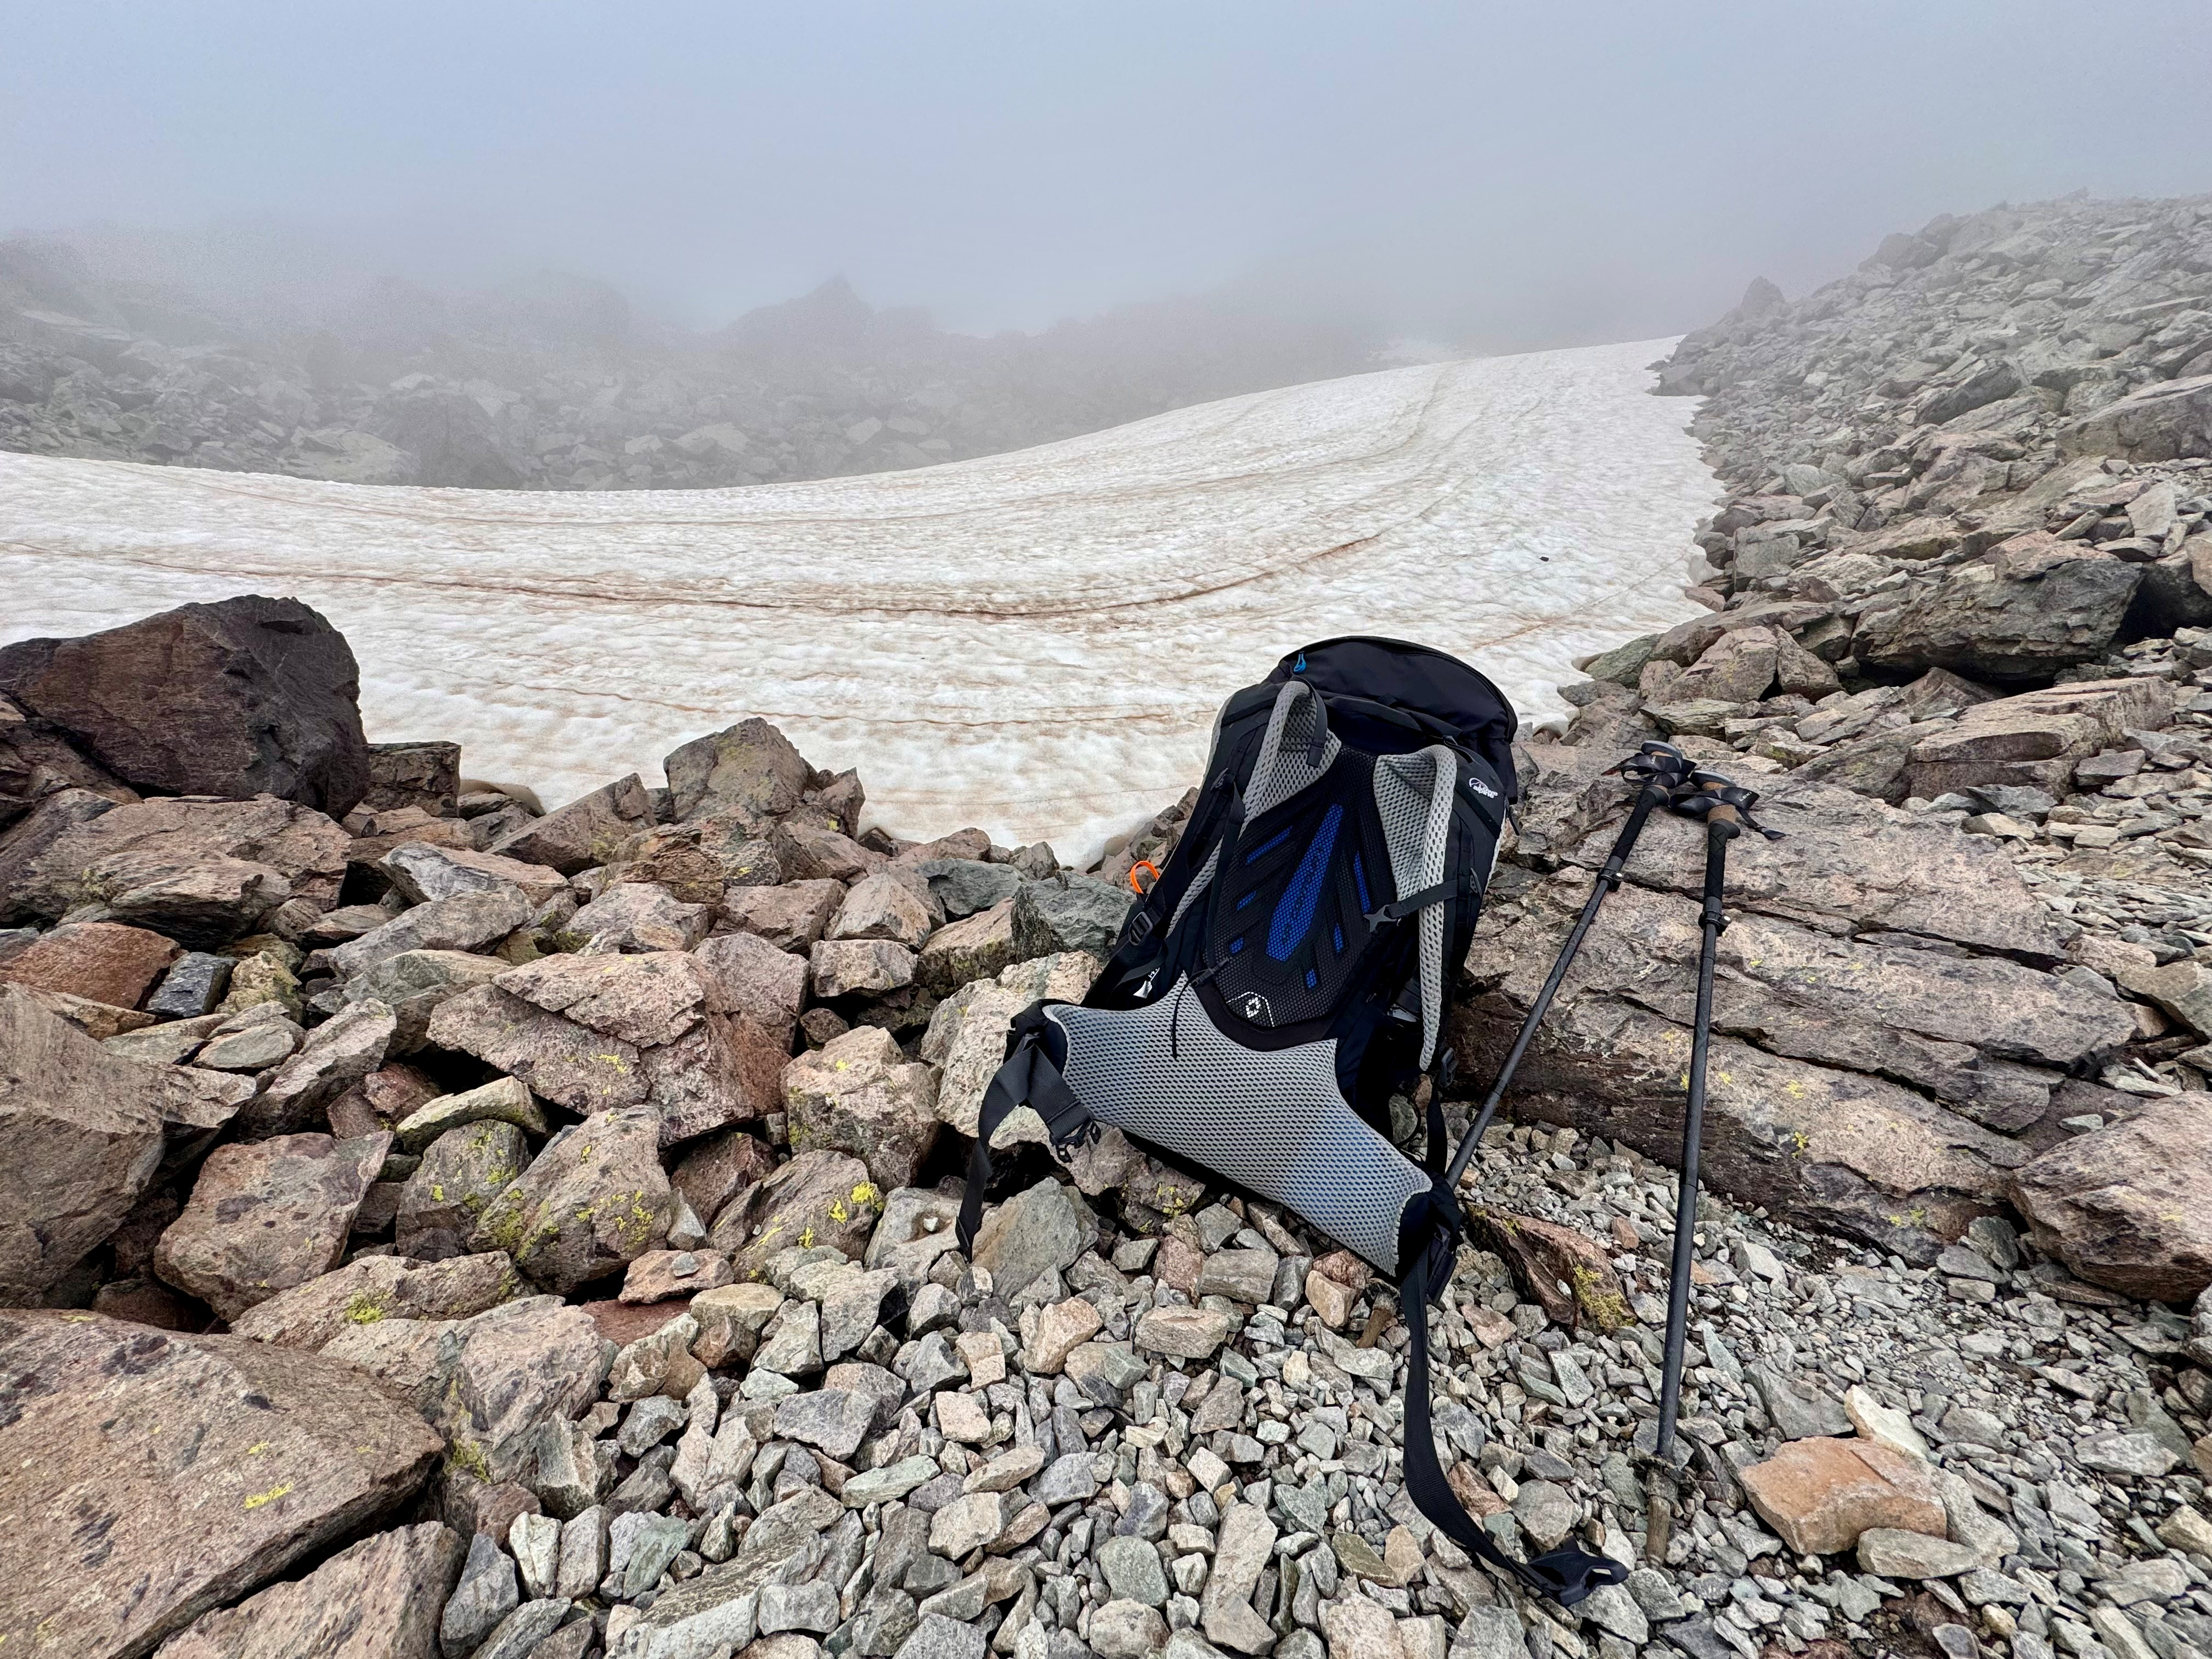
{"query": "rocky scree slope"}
[(608, 1146), (554, 386), (1959, 594), (434, 1225)]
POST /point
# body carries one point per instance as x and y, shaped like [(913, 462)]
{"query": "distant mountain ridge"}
[(126, 351)]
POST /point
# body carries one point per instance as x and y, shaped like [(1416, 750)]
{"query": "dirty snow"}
[(1034, 642)]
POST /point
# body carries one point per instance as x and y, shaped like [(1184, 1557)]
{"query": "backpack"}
[(1291, 969)]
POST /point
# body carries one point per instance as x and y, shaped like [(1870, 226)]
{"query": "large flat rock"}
[(147, 1477), (379, 1599)]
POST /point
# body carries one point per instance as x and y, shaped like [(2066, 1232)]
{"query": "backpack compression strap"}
[(1566, 1574)]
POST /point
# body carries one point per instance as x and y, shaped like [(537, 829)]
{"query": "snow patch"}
[(1034, 642)]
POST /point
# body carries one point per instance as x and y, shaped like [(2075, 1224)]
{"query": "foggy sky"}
[(1497, 176)]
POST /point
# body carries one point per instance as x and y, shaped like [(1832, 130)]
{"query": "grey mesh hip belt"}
[(1164, 1073)]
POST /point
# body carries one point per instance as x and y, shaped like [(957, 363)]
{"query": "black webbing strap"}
[(1567, 1574), (1412, 904), (1028, 1078)]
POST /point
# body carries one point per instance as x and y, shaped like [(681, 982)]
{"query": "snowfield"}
[(1034, 642)]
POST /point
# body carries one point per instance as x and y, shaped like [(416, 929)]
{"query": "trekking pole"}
[(1662, 770), (1726, 809)]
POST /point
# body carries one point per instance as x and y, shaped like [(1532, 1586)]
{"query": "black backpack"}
[(1291, 968)]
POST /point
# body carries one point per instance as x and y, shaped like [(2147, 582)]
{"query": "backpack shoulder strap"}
[(1414, 797)]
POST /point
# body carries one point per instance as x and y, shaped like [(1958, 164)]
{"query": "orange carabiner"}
[(1143, 864)]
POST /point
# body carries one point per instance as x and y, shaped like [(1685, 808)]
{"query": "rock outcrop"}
[(247, 697), (119, 1443)]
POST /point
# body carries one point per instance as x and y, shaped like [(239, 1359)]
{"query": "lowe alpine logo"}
[(1254, 1007), (1482, 788)]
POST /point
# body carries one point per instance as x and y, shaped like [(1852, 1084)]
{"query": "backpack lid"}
[(1417, 679)]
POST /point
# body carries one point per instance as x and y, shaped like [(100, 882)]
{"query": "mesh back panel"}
[(1275, 1123), (1413, 796)]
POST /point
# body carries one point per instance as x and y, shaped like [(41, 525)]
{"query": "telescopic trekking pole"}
[(1726, 809), (1662, 770)]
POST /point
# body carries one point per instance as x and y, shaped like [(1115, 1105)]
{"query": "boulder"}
[(415, 984), (1070, 912), (422, 873), (378, 1599), (2166, 420), (791, 916), (595, 1032), (267, 1215), (1821, 1494), (858, 1094), (247, 697), (696, 860), (503, 1100), (195, 983), (258, 1455), (1736, 667), (84, 1129), (979, 947), (1039, 1231), (97, 960), (202, 872), (967, 1037), (23, 841), (858, 967), (425, 775), (749, 768), (466, 921), (818, 1198), (2181, 989), (1817, 1108), (339, 1053), (2031, 606), (746, 975), (820, 852), (595, 1199), (1984, 1035), (498, 1378), (560, 1060), (645, 999), (462, 1171), (585, 832), (887, 906), (2035, 739), (637, 915), (371, 1288), (2124, 1206), (962, 887)]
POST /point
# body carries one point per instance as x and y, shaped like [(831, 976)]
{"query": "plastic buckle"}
[(1569, 1575)]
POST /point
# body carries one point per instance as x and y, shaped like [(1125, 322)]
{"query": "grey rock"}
[(485, 1595), (940, 1637), (1076, 914), (1133, 1570), (1037, 1231)]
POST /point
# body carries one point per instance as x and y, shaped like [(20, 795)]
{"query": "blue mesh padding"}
[(1339, 932), (1312, 979), (1268, 846), (1294, 912), (1247, 898), (1235, 945), (1359, 875)]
